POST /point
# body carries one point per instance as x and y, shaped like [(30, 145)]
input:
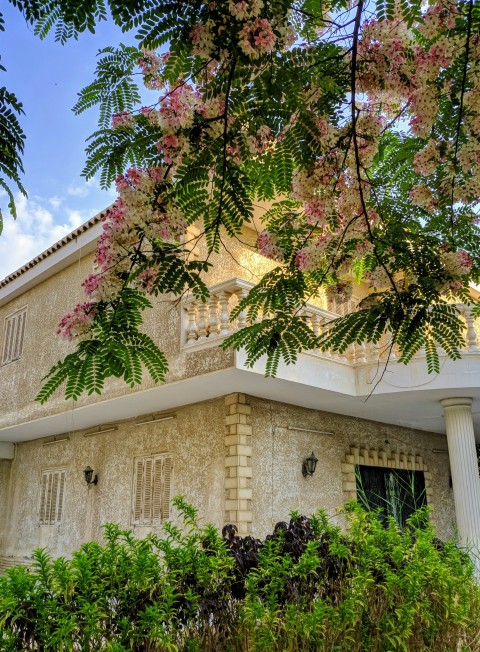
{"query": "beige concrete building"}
[(234, 443)]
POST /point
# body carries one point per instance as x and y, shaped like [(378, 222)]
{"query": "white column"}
[(464, 468)]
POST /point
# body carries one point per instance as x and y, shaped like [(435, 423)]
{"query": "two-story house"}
[(237, 445)]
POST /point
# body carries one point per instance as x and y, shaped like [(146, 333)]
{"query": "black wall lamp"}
[(89, 477), (309, 465)]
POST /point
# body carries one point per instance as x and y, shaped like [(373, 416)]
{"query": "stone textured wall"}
[(237, 459), (277, 455), (195, 438), (5, 466), (47, 302)]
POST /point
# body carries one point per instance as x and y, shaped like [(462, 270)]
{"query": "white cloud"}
[(55, 202), (40, 222), (84, 188), (75, 190)]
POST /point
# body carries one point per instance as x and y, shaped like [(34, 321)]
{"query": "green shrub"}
[(308, 586)]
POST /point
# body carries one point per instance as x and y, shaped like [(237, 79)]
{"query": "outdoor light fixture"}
[(88, 475), (309, 465)]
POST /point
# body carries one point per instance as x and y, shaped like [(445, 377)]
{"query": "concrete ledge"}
[(7, 450)]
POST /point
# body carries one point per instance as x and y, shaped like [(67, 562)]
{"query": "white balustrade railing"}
[(209, 323), (472, 335)]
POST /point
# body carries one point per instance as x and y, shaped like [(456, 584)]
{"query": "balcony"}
[(366, 381), (208, 324)]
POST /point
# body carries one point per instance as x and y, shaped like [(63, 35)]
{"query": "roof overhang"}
[(307, 384)]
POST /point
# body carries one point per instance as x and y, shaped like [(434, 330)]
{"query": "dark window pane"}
[(396, 492)]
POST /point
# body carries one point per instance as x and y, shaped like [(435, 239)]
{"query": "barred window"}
[(395, 492), (152, 483), (14, 334), (52, 491)]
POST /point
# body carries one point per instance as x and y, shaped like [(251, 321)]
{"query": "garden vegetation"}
[(307, 586)]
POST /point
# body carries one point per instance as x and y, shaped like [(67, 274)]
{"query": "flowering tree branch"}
[(344, 120)]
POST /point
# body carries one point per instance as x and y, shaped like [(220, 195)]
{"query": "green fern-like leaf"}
[(117, 349), (114, 89), (12, 140)]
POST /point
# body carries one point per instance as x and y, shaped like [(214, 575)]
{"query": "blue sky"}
[(46, 77)]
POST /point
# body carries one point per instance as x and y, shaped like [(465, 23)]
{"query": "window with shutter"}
[(52, 490), (14, 336), (151, 493)]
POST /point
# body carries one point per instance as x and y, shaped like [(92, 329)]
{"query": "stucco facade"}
[(195, 435), (235, 440)]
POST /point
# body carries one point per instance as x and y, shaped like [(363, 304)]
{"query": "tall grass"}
[(308, 586)]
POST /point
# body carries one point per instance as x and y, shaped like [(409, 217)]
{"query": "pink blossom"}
[(269, 247), (122, 119), (257, 38), (301, 259), (92, 283), (77, 322)]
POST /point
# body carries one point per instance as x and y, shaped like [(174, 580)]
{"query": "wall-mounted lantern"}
[(89, 477), (309, 465)]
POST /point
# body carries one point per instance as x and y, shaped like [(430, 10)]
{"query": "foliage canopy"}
[(357, 125)]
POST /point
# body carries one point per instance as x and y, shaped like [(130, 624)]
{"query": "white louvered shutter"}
[(48, 499), (43, 499), (151, 489), (60, 496), (148, 491), (157, 490), (8, 341), (52, 492), (19, 335), (14, 336), (53, 499), (137, 492), (167, 487)]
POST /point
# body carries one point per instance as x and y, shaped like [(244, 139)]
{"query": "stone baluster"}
[(361, 353), (224, 313), (242, 315), (192, 330), (471, 336), (351, 354), (306, 315), (324, 328), (202, 321), (383, 348), (391, 351), (369, 352), (213, 323)]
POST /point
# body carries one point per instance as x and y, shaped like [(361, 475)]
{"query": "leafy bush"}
[(308, 586)]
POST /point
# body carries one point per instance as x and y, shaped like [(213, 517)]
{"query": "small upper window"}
[(395, 492), (14, 335), (152, 482), (52, 491)]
